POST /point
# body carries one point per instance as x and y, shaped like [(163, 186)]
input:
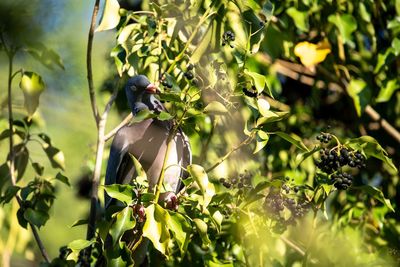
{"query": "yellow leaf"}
[(311, 54)]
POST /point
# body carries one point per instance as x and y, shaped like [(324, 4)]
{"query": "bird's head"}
[(139, 92)]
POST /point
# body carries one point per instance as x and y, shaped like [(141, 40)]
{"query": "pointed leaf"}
[(346, 24), (35, 217), (124, 221), (293, 139), (202, 228), (141, 176), (215, 108), (60, 177), (124, 193), (32, 86), (377, 194), (80, 244), (180, 229), (110, 17), (201, 178), (155, 227)]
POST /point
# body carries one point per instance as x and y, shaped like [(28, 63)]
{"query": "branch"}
[(245, 142), (119, 126), (89, 63), (10, 54)]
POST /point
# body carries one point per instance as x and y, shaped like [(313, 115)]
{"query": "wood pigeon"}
[(147, 142)]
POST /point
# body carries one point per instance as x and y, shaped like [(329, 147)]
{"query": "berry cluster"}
[(276, 202), (332, 160), (342, 181), (324, 137), (243, 181), (250, 93), (166, 84), (227, 38), (189, 74)]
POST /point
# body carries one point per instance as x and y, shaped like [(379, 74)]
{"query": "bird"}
[(147, 142)]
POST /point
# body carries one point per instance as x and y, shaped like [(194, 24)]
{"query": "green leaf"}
[(79, 222), (180, 229), (110, 17), (293, 139), (371, 148), (142, 115), (48, 57), (357, 90), (80, 244), (261, 140), (168, 96), (387, 91), (201, 178), (377, 194), (21, 154), (32, 86), (124, 193), (300, 18), (202, 228), (164, 116), (263, 108), (38, 168), (271, 116), (35, 217), (384, 59), (60, 177), (346, 24), (260, 82), (396, 46), (124, 221), (9, 194), (203, 46), (55, 155), (155, 227), (141, 176), (215, 108)]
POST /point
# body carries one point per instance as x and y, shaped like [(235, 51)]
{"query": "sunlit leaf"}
[(62, 178), (55, 155), (201, 178), (202, 228), (260, 82), (346, 24), (181, 229), (164, 116), (261, 141), (124, 193), (311, 54), (387, 91), (141, 176), (32, 86), (215, 108), (293, 139), (155, 227), (371, 148), (357, 91), (110, 17), (263, 108), (124, 221), (300, 18), (80, 244), (377, 194)]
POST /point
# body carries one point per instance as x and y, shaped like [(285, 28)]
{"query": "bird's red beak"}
[(152, 89)]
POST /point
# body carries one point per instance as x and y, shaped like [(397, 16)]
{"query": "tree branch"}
[(119, 126), (89, 63), (10, 53)]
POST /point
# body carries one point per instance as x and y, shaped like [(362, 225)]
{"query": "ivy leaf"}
[(215, 108), (387, 91), (124, 221), (38, 168), (180, 229), (293, 139), (260, 82), (202, 47), (358, 91), (164, 116), (201, 178), (377, 194), (271, 116), (79, 222), (202, 228), (155, 227), (300, 18), (346, 24), (261, 141), (141, 176), (11, 192), (80, 244), (32, 86), (124, 193), (263, 108), (36, 217), (110, 17), (371, 148)]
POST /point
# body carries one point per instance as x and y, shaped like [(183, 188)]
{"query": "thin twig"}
[(89, 63), (10, 54), (118, 127), (245, 142)]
